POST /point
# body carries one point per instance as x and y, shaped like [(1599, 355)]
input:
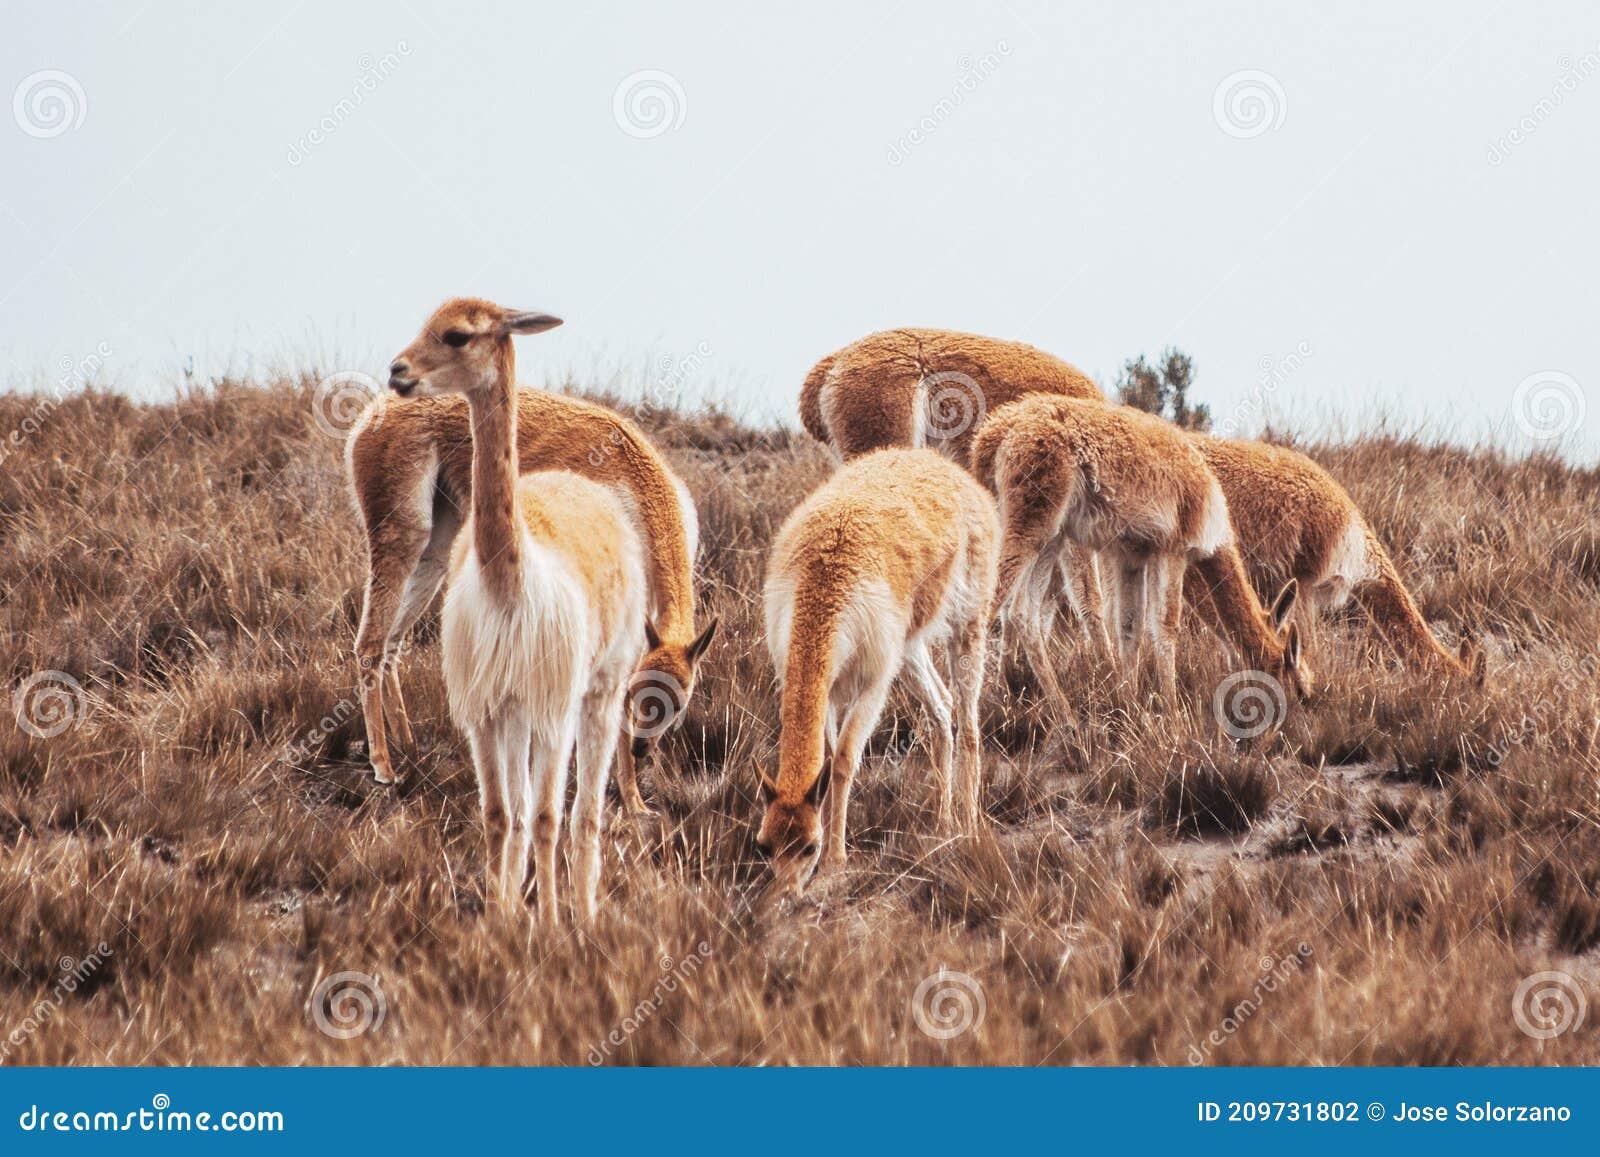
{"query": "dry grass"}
[(195, 567)]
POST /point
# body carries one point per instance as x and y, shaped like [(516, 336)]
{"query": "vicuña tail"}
[(811, 401)]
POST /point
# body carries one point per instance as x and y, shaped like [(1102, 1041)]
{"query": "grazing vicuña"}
[(1116, 480), (889, 560)]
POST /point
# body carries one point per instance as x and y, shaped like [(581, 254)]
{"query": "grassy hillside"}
[(187, 831)]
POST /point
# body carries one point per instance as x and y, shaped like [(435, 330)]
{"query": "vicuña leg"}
[(601, 723), (1164, 609), (930, 688), (395, 548), (1130, 612), (628, 778), (420, 588), (859, 718), (551, 756), (493, 785), (1080, 573), (968, 652)]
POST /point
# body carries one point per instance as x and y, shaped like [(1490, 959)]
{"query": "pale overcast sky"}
[(1369, 207)]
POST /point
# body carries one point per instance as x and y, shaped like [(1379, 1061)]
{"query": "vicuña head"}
[(463, 348), (660, 689), (791, 831)]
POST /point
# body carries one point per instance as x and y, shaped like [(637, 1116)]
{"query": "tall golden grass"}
[(195, 868)]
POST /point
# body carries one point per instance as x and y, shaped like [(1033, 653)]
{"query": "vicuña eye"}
[(456, 338)]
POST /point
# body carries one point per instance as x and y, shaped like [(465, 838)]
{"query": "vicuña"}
[(540, 630), (410, 464), (1130, 487), (1295, 522), (889, 566)]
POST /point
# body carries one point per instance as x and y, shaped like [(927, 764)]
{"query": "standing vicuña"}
[(891, 557), (1117, 480), (410, 464), (540, 627)]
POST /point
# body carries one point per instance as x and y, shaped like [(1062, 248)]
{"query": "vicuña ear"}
[(819, 786), (698, 647), (769, 786), (1291, 647), (650, 635), (528, 322), (1284, 603)]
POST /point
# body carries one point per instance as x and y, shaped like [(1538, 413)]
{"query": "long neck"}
[(671, 568), (494, 480), (1395, 613), (1238, 609), (807, 679)]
